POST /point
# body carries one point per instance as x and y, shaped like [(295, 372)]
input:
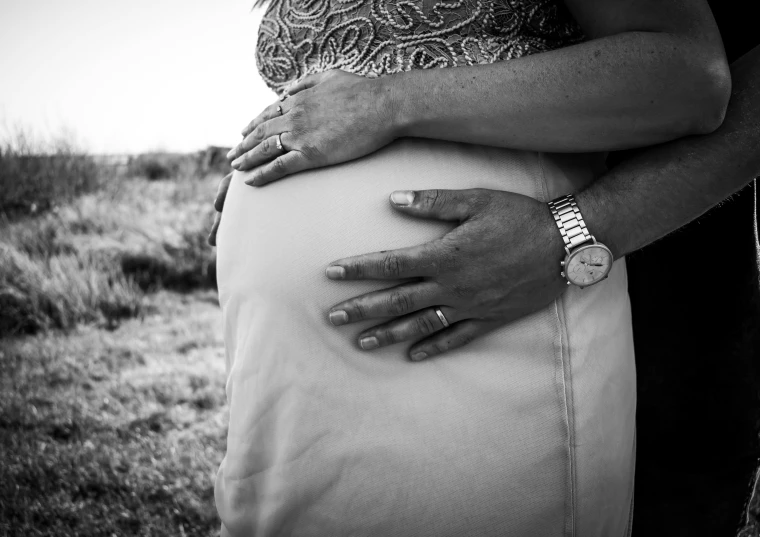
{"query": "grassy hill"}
[(112, 405)]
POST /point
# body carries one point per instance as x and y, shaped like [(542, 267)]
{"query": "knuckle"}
[(311, 152), (256, 134), (359, 311), (278, 165), (266, 146), (355, 269), (440, 346), (460, 291), (295, 113), (391, 265), (465, 338), (399, 303), (433, 198), (389, 336), (480, 199), (424, 325)]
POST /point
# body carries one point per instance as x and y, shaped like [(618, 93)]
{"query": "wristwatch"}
[(587, 261)]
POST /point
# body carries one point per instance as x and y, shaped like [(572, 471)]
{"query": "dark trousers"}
[(695, 298)]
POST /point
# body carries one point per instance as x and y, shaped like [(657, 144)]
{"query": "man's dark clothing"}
[(695, 297)]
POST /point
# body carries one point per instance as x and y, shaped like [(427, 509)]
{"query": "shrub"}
[(37, 175), (61, 290), (156, 166), (92, 260)]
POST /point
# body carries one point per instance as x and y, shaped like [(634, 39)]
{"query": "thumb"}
[(221, 192), (450, 205)]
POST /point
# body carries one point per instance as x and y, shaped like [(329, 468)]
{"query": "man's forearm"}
[(665, 187)]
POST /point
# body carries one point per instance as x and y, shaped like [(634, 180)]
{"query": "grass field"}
[(112, 404), (115, 432)]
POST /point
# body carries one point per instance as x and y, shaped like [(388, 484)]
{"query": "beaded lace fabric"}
[(378, 37)]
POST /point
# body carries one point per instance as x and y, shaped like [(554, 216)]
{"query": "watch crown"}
[(562, 273), (562, 263)]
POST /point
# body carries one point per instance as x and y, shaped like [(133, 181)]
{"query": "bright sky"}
[(130, 76)]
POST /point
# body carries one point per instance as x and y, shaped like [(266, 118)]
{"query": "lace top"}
[(377, 37)]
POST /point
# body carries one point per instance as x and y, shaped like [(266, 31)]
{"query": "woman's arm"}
[(653, 71)]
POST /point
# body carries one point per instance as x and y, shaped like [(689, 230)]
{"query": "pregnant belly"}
[(326, 439)]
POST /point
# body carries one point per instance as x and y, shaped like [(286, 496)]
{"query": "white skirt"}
[(528, 431)]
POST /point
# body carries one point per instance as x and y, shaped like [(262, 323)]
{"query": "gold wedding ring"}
[(442, 317), (279, 142)]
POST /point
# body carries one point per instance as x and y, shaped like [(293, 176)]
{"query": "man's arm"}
[(665, 187), (500, 262)]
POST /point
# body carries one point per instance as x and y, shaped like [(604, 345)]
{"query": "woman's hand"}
[(326, 119), (500, 263)]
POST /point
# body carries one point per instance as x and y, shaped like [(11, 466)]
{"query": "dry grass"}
[(37, 174), (155, 166), (115, 433), (112, 416), (93, 259)]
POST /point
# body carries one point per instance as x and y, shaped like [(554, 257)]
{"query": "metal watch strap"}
[(569, 221)]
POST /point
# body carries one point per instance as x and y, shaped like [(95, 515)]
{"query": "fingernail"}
[(335, 273), (417, 356), (368, 343), (236, 163), (338, 317), (231, 152), (403, 197)]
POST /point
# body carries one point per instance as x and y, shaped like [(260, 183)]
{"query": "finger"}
[(419, 261), (456, 336), (259, 134), (393, 302), (450, 205), (214, 229), (270, 112), (286, 164), (264, 152), (221, 192), (414, 326), (305, 83)]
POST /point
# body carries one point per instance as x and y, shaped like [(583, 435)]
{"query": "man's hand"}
[(500, 263)]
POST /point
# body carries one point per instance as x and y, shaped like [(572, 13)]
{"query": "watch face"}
[(587, 265)]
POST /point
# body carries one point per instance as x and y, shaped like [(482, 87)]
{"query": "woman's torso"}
[(527, 431), (380, 37)]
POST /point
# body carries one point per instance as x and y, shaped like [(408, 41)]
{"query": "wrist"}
[(552, 243), (392, 98), (598, 219)]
